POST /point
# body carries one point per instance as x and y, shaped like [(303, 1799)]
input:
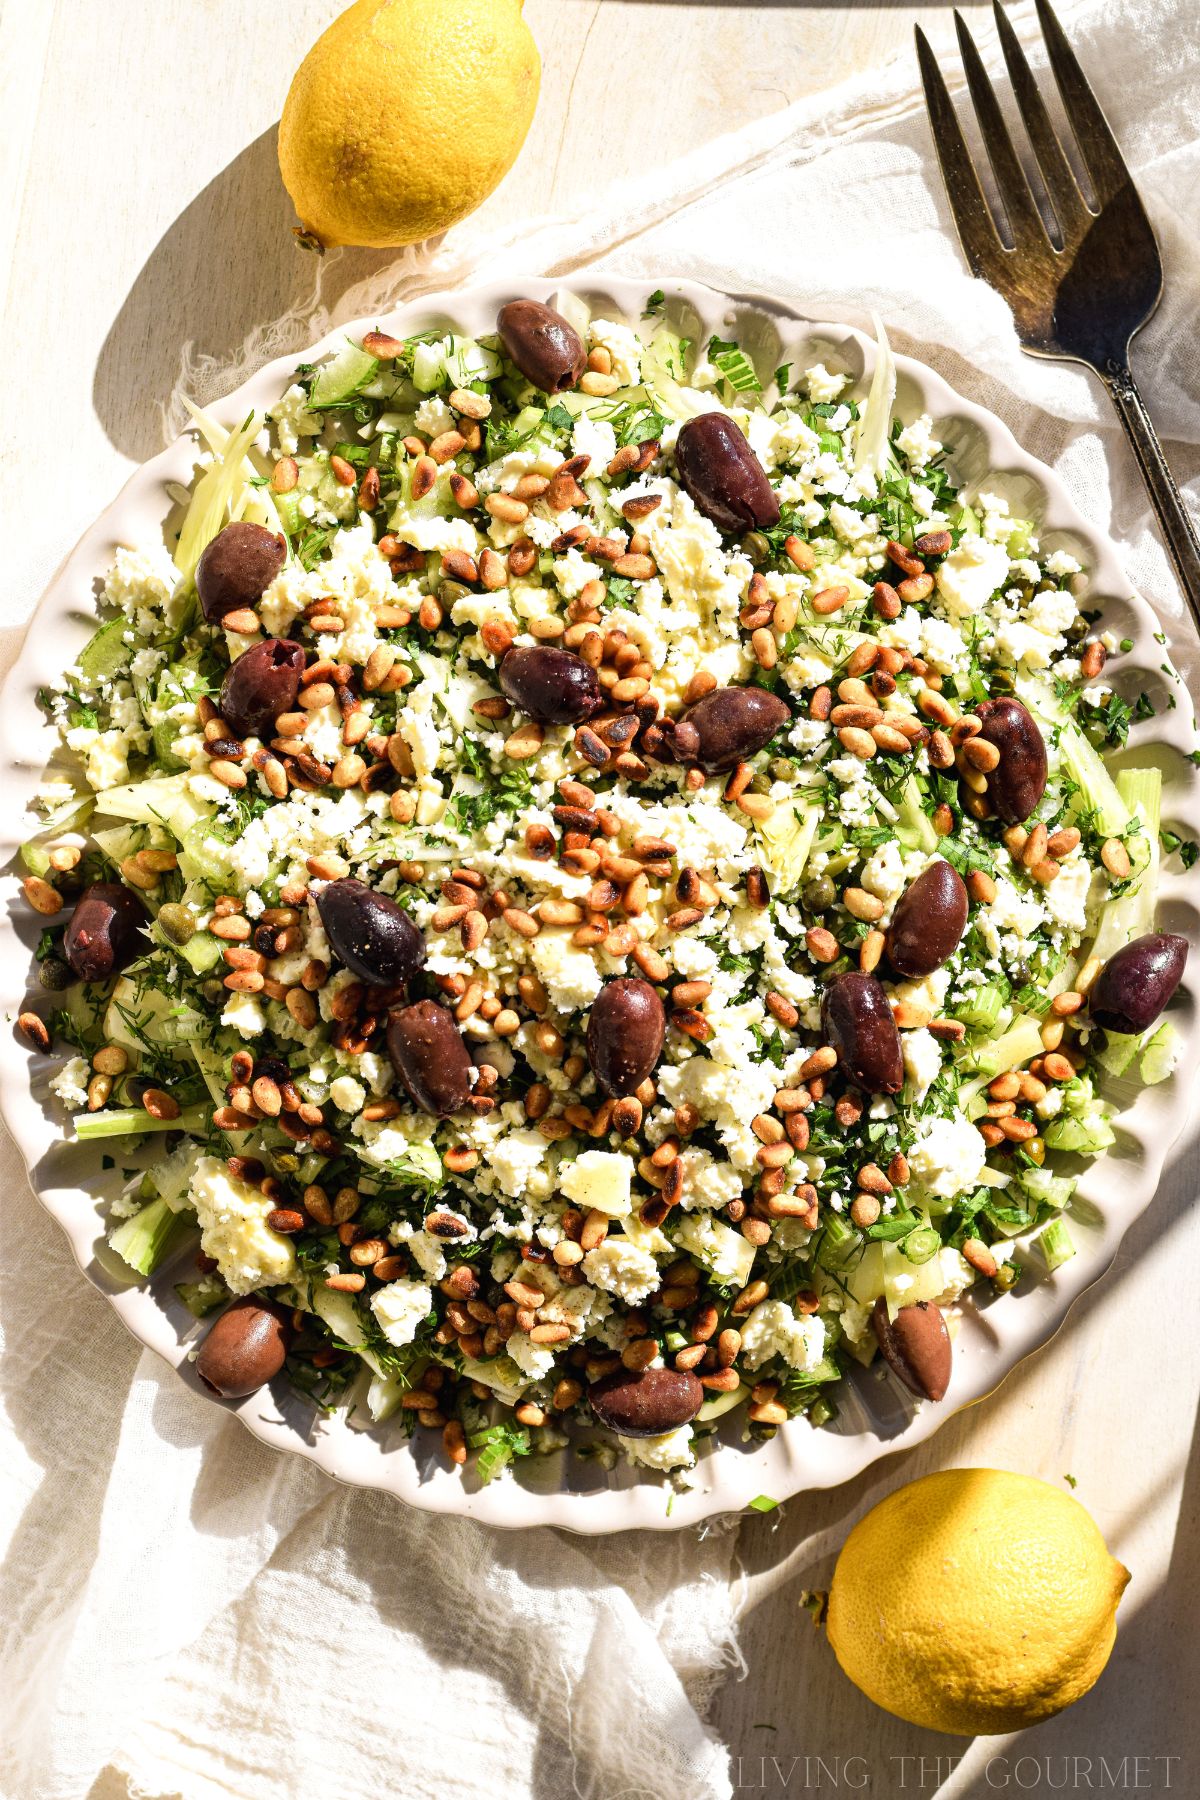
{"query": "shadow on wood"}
[(228, 266)]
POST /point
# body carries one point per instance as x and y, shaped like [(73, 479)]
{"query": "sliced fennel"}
[(135, 1121), (785, 840), (222, 494), (873, 437), (1131, 914), (147, 1239)]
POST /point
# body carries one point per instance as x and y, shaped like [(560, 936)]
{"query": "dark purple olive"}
[(430, 1057), (555, 687), (647, 1403), (1018, 782), (729, 724), (547, 350), (928, 921), (723, 476), (915, 1346), (104, 934), (244, 1349), (856, 1019), (625, 1035), (237, 568), (370, 934), (261, 684), (1135, 985)]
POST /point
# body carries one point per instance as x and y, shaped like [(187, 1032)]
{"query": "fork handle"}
[(1172, 514)]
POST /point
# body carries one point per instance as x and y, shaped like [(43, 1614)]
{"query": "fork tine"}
[(1061, 185), (1097, 145), (1025, 222), (977, 233)]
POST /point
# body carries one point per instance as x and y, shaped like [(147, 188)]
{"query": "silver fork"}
[(1081, 274)]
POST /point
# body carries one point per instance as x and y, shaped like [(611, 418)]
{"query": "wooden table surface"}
[(140, 209)]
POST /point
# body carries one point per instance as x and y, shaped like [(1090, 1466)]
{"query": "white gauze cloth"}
[(211, 1620)]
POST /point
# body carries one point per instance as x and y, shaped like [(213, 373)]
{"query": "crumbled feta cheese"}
[(620, 1268), (922, 1060), (947, 1156), (348, 1095), (727, 1255), (516, 1158), (773, 1329), (401, 1307), (970, 575), (70, 1083), (233, 1229), (600, 1179), (673, 1450)]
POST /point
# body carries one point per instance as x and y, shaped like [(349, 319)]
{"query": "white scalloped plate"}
[(876, 1416)]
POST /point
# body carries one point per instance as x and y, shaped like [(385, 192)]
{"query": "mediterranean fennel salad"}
[(589, 867)]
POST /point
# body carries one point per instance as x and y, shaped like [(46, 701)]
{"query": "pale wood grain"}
[(140, 208)]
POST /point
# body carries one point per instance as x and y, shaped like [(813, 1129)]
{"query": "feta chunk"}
[(599, 1178), (401, 1307), (233, 1229)]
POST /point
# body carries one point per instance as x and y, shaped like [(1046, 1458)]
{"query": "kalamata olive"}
[(370, 934), (555, 687), (237, 568), (104, 934), (856, 1019), (928, 921), (546, 349), (730, 723), (1018, 782), (429, 1056), (915, 1346), (625, 1035), (647, 1403), (1135, 985), (723, 476), (244, 1349), (261, 684)]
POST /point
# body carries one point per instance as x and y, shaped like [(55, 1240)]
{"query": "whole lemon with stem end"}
[(404, 116), (975, 1601)]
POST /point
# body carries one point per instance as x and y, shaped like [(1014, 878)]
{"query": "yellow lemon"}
[(975, 1601), (405, 115)]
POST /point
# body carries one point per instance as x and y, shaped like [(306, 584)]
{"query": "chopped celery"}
[(786, 840), (135, 1121), (1118, 1052), (203, 1296), (1055, 1244), (921, 1244), (201, 952), (981, 1007), (1087, 1135), (1160, 1055), (914, 827), (147, 1239), (106, 651), (347, 374), (1045, 1187), (872, 438), (838, 1242)]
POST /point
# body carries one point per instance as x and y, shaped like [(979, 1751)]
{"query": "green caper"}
[(820, 894), (1006, 1276), (1077, 630), (55, 974), (760, 783), (783, 770), (178, 922), (756, 547), (450, 591), (1047, 585)]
